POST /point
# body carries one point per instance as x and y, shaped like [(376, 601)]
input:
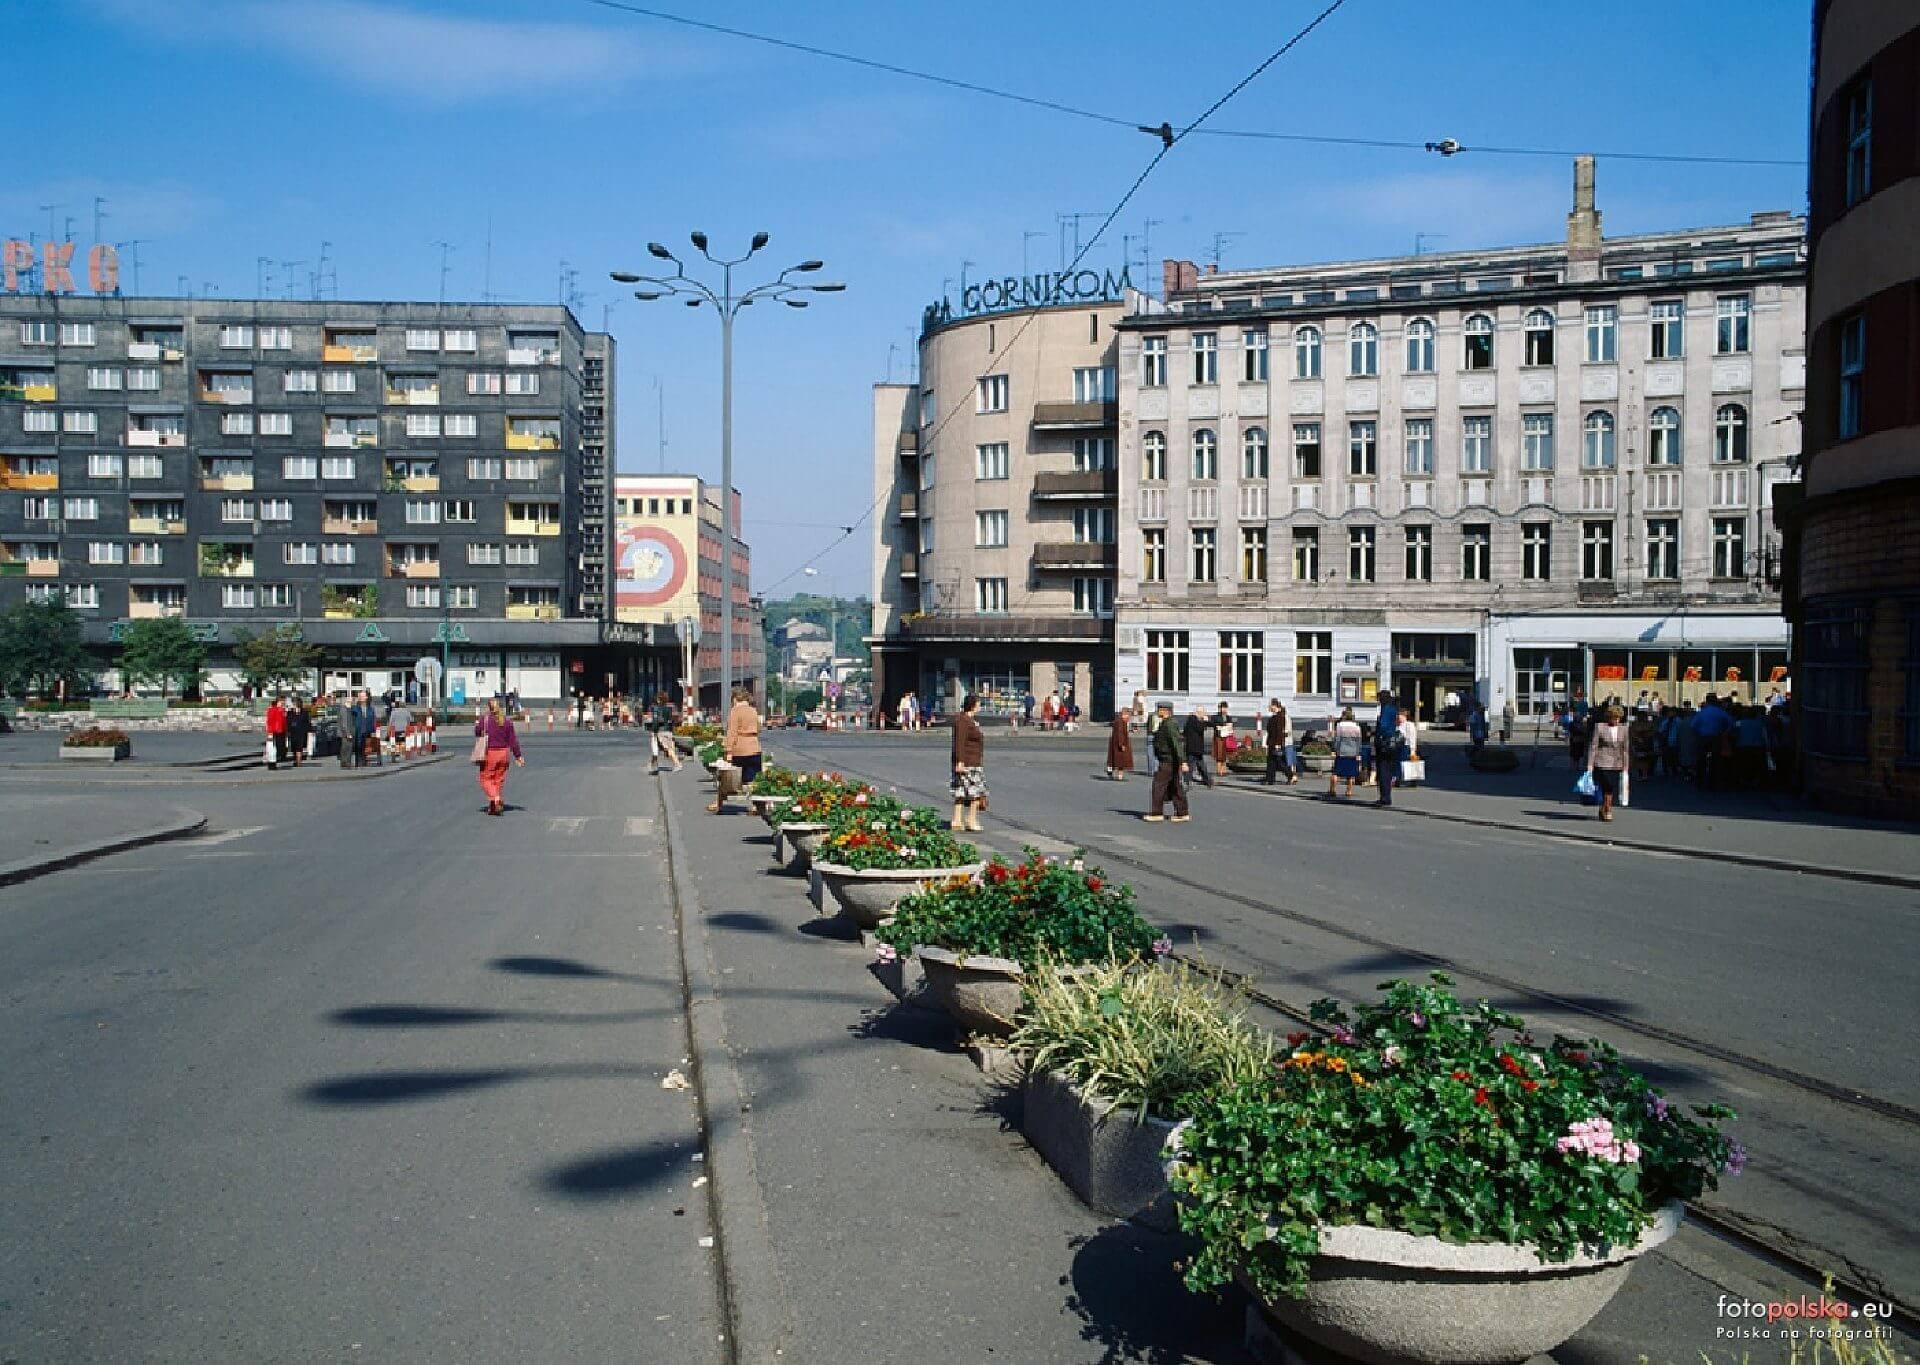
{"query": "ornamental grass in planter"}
[(1428, 1183)]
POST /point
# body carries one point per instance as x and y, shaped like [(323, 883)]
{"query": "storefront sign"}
[(206, 632), (450, 632), (17, 259), (371, 633), (1029, 291), (1359, 660)]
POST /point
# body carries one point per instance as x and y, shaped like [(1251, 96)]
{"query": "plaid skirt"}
[(969, 784)]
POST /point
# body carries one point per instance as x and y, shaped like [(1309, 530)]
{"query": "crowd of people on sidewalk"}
[(351, 727), (1722, 745)]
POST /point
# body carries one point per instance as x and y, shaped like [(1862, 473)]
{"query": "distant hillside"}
[(855, 615)]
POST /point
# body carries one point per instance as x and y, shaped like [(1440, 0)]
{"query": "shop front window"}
[(1543, 679)]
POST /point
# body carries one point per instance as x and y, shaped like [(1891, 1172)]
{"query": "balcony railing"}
[(148, 611), (908, 444), (43, 568), (533, 611), (909, 506), (529, 440), (909, 565), (414, 397), (414, 569), (157, 526), (1078, 485), (28, 483), (1087, 556), (979, 627), (348, 526), (413, 483), (351, 440), (350, 352), (1075, 416), (226, 568), (231, 397), (518, 526), (532, 355), (226, 483), (139, 437)]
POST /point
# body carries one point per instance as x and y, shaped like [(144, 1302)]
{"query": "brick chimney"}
[(1583, 225), (1178, 277)]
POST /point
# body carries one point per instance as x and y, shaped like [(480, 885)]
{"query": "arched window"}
[(1597, 453), (1363, 349), (1478, 336), (1420, 346), (1663, 437), (1539, 332), (1153, 457), (1206, 455), (1730, 434), (1253, 453), (1306, 353)]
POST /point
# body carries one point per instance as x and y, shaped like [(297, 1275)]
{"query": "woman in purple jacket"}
[(503, 744)]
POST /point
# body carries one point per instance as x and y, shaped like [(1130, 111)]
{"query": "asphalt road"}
[(362, 1074), (1714, 977)]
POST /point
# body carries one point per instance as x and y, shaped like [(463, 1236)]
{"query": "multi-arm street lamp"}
[(727, 305)]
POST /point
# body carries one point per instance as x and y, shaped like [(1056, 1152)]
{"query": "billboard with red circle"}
[(650, 567)]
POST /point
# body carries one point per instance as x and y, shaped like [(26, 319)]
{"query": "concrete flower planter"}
[(96, 753), (867, 896), (1113, 1162), (1494, 758), (1389, 1297), (795, 842), (1316, 763), (763, 804)]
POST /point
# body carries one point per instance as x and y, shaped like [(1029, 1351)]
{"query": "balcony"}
[(908, 446), (156, 526), (415, 397), (348, 526), (230, 397), (521, 526), (152, 611), (531, 440), (533, 611), (139, 437), (345, 352), (419, 569), (352, 440), (1075, 416), (1088, 556), (909, 506), (1076, 485), (37, 393), (15, 481), (226, 483), (43, 568), (533, 355), (216, 562), (420, 483), (909, 565), (990, 629)]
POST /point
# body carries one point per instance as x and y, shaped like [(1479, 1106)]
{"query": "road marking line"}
[(566, 824), (639, 824), (228, 835)]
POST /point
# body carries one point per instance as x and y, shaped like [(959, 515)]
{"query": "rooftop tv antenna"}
[(1073, 221), (99, 215), (50, 210), (660, 403), (132, 248), (446, 250), (286, 268), (1025, 238), (486, 273), (263, 277), (1220, 240)]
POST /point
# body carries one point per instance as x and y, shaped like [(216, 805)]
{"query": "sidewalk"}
[(41, 833), (1767, 829)]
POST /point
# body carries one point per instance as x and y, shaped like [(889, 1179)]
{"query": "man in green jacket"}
[(1170, 765)]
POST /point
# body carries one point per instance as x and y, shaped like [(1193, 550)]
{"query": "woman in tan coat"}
[(740, 746), (969, 756)]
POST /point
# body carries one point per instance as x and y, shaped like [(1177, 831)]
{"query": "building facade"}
[(1854, 541), (994, 541), (397, 479), (1513, 474)]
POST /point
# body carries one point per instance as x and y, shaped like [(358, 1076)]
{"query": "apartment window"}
[(236, 424), (336, 552), (1477, 338), (236, 509), (1363, 349), (990, 595), (1306, 554), (276, 594), (1596, 551), (1420, 346), (1092, 454), (300, 467), (522, 468), (143, 379), (236, 337), (1536, 552), (458, 339), (1206, 455), (236, 596), (337, 467), (423, 595), (276, 338), (1832, 693), (76, 334), (1153, 457), (1253, 355), (1243, 662), (1476, 445), (460, 424), (422, 513), (1597, 449), (336, 381), (484, 552), (1253, 453), (1204, 566), (144, 467), (1663, 437), (276, 509), (1476, 552), (1363, 449), (300, 552), (83, 596), (1360, 553), (523, 382), (484, 467), (1153, 555), (1167, 657), (106, 552), (300, 381), (1095, 384), (460, 510), (1419, 554), (1663, 548), (1729, 547), (463, 597), (1253, 554), (1859, 143), (83, 509), (1603, 325), (1313, 663), (1732, 323), (1730, 434), (422, 339), (39, 509), (1306, 353), (1536, 442), (1093, 596), (1419, 443), (484, 382), (1153, 362), (104, 377), (990, 461), (1853, 372), (1538, 330), (1306, 450), (1206, 358), (147, 553), (40, 419), (80, 423), (38, 333), (1092, 525), (993, 394), (990, 529), (423, 424), (276, 424), (1667, 340)]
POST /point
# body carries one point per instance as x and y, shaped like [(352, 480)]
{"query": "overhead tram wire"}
[(1113, 120), (1169, 140)]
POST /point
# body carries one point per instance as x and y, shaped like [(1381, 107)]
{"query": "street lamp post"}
[(727, 305)]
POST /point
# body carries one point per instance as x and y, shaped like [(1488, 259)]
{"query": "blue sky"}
[(221, 131)]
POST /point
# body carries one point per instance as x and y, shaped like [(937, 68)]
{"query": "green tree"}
[(40, 646), (163, 650), (279, 658), (809, 700)]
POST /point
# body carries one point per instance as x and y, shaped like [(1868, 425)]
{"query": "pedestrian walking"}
[(1120, 745), (346, 716), (299, 728), (969, 755), (740, 745), (1389, 748), (1169, 766), (1607, 754), (499, 746), (1507, 718), (660, 743), (1197, 737), (1477, 728), (1347, 745), (1280, 753), (277, 731), (400, 726)]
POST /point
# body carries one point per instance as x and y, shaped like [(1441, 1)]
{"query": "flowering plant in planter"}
[(1424, 1116), (819, 799), (1038, 910), (775, 780), (709, 753), (884, 834), (95, 738)]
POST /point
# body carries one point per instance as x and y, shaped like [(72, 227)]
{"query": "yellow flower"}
[(1336, 1063)]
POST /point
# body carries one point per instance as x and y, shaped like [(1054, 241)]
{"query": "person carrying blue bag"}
[(1389, 748)]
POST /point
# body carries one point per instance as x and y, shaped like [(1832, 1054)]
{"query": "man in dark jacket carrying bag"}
[(1198, 743), (1170, 765)]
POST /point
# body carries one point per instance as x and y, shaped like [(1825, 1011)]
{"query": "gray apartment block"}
[(381, 473)]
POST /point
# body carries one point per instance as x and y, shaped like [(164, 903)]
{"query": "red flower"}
[(1295, 1039), (1510, 1066), (996, 873), (1480, 1096), (1529, 1085), (1460, 1075), (1094, 883)]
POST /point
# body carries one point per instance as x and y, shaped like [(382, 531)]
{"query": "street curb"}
[(187, 823), (753, 1302), (269, 779), (1761, 860)]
